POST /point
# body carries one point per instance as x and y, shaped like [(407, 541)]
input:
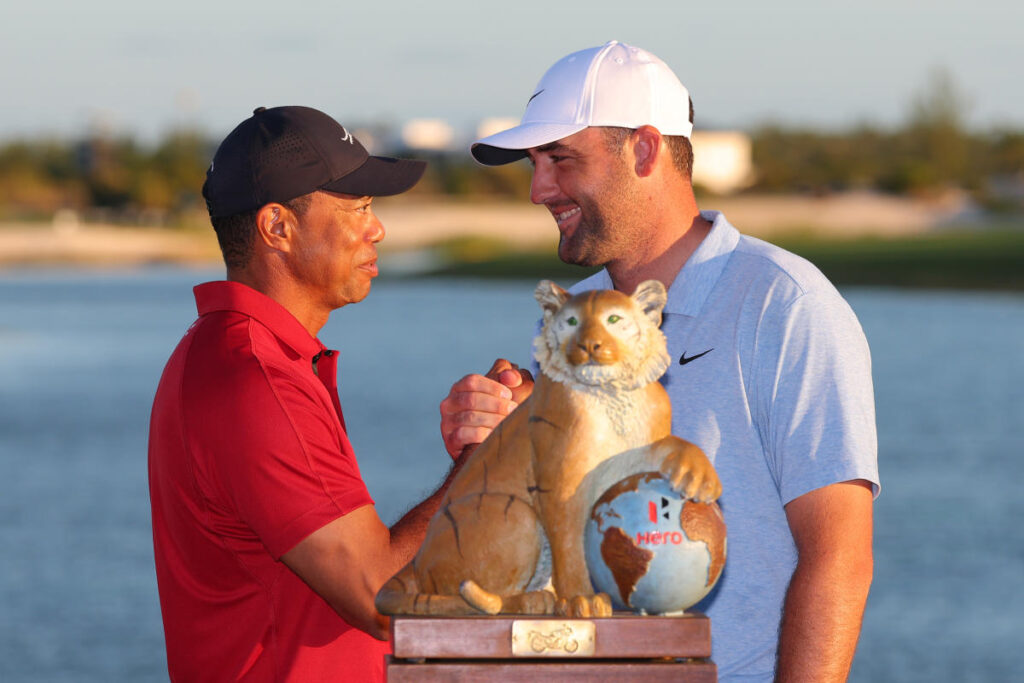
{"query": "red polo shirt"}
[(248, 456)]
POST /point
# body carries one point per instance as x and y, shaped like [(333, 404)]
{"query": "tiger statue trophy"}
[(511, 525)]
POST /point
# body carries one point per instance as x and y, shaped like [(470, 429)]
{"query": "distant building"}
[(722, 160), (428, 134), (494, 125)]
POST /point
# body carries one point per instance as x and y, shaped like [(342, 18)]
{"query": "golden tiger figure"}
[(515, 514)]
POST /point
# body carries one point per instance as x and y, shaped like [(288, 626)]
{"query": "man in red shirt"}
[(268, 549)]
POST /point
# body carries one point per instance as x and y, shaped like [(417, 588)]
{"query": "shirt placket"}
[(325, 367)]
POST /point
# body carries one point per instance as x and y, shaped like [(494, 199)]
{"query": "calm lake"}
[(81, 353)]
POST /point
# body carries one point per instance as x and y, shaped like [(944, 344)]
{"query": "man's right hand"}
[(477, 403)]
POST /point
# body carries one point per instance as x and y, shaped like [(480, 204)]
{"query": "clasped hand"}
[(476, 404)]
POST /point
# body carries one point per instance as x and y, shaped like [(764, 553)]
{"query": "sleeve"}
[(816, 396), (289, 468)]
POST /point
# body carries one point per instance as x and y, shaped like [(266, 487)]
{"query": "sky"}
[(144, 68)]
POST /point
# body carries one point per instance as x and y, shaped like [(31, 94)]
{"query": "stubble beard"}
[(596, 242), (587, 244)]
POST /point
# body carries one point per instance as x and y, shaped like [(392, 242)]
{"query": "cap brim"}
[(511, 145), (379, 177)]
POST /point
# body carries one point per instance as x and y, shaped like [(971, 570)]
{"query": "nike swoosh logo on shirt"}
[(683, 360)]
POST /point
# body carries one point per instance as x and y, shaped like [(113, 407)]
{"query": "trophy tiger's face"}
[(602, 338)]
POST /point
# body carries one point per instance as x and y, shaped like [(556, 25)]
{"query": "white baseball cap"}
[(611, 85)]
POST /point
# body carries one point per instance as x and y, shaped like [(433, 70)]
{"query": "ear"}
[(650, 296), (551, 297), (646, 150), (275, 226)]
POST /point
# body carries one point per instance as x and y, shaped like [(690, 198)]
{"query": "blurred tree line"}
[(932, 152), (115, 178)]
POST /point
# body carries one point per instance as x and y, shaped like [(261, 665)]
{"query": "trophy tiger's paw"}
[(691, 473), (599, 605)]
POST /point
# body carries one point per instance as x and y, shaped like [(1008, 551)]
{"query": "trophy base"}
[(624, 647)]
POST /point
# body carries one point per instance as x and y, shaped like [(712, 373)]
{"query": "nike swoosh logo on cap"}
[(534, 95)]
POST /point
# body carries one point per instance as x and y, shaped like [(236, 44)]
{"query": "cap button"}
[(258, 110)]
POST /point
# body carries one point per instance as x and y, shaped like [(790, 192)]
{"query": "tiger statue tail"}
[(401, 595)]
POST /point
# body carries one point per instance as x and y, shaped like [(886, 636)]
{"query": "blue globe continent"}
[(650, 549)]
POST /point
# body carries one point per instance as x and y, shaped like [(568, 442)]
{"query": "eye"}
[(612, 319), (572, 321)]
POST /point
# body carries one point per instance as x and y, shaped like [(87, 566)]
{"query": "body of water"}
[(81, 354)]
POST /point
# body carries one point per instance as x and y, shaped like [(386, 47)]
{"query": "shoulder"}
[(236, 361), (783, 304), (223, 350), (790, 275), (774, 283)]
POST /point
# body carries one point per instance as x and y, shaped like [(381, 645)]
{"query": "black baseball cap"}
[(285, 152)]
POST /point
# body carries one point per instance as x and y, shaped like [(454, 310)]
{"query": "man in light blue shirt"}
[(773, 377)]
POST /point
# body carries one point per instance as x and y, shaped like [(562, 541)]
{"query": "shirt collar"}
[(701, 272), (225, 295)]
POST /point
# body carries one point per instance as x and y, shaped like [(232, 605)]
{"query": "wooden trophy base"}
[(624, 647)]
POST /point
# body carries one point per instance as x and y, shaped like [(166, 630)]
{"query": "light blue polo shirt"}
[(771, 377)]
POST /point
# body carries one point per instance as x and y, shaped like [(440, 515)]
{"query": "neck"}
[(678, 236), (268, 280)]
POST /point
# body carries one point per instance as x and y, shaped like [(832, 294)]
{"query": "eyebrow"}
[(551, 146)]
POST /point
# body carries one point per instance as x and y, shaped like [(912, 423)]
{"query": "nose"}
[(587, 349), (543, 186), (375, 232), (592, 345)]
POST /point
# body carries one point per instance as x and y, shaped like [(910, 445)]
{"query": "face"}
[(334, 255), (592, 195)]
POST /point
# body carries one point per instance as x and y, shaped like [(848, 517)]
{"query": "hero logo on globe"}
[(660, 570)]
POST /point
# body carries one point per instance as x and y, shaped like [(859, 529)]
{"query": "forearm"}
[(822, 619), (407, 534), (832, 528), (347, 560)]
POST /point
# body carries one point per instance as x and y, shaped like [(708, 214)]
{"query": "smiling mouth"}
[(563, 216)]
